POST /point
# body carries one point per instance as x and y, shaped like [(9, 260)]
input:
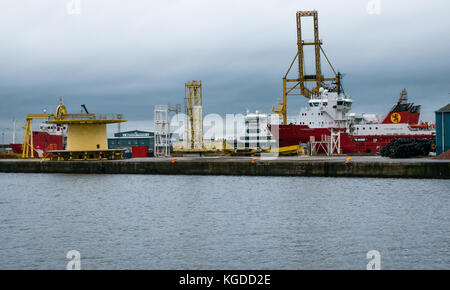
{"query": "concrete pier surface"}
[(246, 166)]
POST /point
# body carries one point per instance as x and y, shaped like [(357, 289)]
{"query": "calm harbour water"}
[(218, 222)]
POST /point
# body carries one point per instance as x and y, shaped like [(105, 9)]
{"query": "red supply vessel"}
[(327, 117), (49, 137)]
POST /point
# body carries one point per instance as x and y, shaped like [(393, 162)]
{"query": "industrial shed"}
[(443, 129)]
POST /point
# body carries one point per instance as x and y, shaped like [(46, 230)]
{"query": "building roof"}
[(134, 133), (444, 109), (130, 137)]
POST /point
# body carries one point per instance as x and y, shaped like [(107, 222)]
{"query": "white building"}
[(257, 134)]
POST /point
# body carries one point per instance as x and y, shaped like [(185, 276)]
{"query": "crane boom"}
[(299, 84)]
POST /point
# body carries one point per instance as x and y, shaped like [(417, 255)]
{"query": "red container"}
[(139, 151)]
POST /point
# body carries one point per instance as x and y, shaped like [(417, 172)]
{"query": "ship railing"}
[(109, 116)]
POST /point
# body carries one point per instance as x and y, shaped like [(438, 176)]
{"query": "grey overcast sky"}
[(127, 56)]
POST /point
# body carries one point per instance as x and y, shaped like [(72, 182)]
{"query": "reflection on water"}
[(218, 222)]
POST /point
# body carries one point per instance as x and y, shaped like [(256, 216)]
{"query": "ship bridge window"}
[(325, 104), (340, 103), (253, 131)]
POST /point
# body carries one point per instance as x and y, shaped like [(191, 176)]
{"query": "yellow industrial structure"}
[(211, 147), (193, 141), (86, 135), (300, 82), (194, 113), (28, 145), (288, 150)]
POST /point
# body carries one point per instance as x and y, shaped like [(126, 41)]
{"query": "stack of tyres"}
[(407, 148)]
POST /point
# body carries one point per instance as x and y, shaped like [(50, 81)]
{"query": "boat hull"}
[(42, 143), (289, 135)]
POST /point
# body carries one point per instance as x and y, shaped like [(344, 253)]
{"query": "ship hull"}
[(289, 135), (42, 142), (354, 144)]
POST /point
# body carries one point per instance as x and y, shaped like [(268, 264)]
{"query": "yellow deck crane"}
[(299, 84), (86, 135), (28, 144)]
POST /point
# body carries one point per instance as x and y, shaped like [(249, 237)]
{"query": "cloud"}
[(126, 57)]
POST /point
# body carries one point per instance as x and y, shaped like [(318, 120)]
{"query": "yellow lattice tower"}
[(194, 128)]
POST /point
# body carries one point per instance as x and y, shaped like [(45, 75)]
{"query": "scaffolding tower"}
[(329, 144), (194, 126), (162, 129), (335, 142)]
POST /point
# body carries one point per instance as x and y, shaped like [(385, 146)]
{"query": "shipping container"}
[(139, 151)]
